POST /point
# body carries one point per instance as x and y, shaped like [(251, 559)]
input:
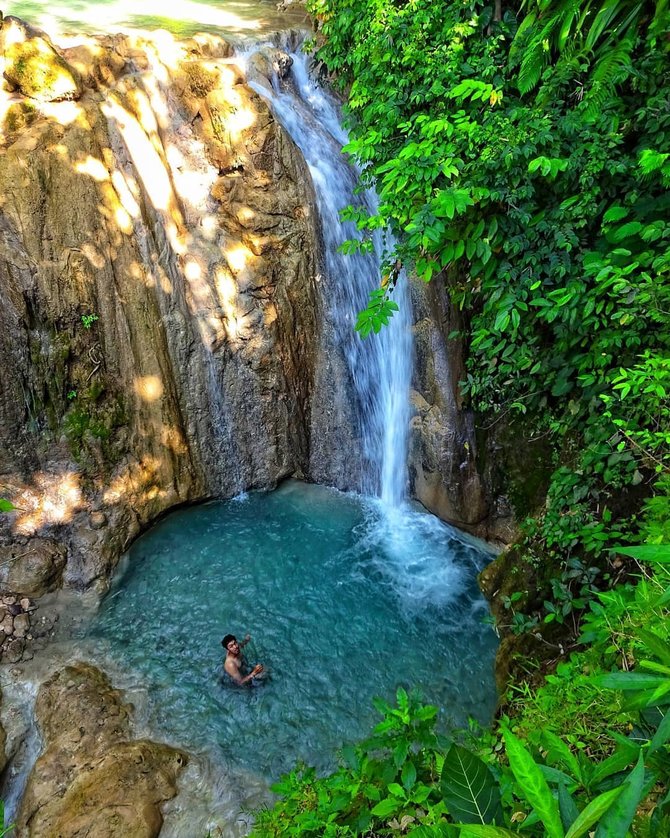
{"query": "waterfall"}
[(380, 366)]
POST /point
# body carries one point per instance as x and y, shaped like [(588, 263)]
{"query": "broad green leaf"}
[(555, 775), (629, 681), (662, 734), (567, 806), (400, 753), (5, 505), (646, 552), (620, 760), (615, 214), (558, 752), (592, 813), (532, 785), (387, 807), (483, 831), (468, 787), (658, 646), (439, 830), (619, 816), (408, 775), (649, 698)]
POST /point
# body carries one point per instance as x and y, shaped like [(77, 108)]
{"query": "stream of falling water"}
[(379, 367)]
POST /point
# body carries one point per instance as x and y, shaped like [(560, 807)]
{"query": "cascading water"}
[(379, 367)]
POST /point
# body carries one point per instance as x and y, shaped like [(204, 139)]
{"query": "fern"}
[(606, 29), (615, 66)]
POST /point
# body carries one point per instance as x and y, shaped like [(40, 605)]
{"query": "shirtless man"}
[(234, 660)]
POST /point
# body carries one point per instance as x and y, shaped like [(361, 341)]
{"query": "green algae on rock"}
[(33, 65)]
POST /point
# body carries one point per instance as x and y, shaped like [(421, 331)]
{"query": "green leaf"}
[(567, 806), (532, 785), (624, 755), (408, 775), (400, 753), (615, 214), (629, 681), (619, 817), (592, 813), (5, 505), (626, 231), (662, 734), (468, 787), (386, 807), (481, 831), (559, 752), (646, 552)]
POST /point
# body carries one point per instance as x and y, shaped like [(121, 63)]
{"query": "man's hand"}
[(257, 669)]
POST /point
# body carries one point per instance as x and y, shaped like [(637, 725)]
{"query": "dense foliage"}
[(522, 156), (530, 165)]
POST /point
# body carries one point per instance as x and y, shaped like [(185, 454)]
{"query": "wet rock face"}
[(92, 779), (157, 253), (442, 455)]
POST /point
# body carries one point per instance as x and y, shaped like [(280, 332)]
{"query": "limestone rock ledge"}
[(92, 779)]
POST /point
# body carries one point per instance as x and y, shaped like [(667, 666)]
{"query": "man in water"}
[(235, 664)]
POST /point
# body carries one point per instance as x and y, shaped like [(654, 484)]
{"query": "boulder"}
[(91, 778), (34, 568), (33, 65)]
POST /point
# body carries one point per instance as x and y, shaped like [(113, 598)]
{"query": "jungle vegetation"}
[(521, 154)]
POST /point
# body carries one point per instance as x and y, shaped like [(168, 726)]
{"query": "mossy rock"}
[(200, 79), (36, 69), (19, 116)]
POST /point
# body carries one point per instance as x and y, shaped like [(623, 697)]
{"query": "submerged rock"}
[(91, 778)]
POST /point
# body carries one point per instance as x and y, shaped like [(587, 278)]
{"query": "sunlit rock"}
[(193, 378), (33, 65), (92, 778)]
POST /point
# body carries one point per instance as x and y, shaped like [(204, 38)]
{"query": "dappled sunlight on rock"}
[(65, 113), (238, 257), (126, 194), (145, 152), (51, 499), (149, 388), (93, 255), (148, 162), (147, 204), (228, 294), (173, 438), (92, 167), (137, 478)]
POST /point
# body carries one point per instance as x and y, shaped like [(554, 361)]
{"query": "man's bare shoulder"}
[(232, 666)]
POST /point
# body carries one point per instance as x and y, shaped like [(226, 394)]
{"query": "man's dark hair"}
[(226, 640)]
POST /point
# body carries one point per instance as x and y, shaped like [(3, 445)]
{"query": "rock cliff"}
[(157, 252)]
